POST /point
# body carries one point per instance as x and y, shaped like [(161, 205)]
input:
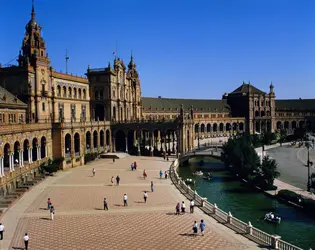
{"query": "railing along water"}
[(211, 209)]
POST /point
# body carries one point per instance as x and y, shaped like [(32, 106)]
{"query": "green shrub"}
[(52, 168)]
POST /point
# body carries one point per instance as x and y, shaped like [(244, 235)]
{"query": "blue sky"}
[(185, 49)]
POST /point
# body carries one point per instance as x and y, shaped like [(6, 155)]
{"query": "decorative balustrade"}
[(27, 127), (211, 209)]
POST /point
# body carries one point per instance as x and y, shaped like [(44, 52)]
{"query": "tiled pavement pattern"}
[(80, 222)]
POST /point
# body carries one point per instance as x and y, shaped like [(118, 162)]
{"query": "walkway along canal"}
[(245, 204)]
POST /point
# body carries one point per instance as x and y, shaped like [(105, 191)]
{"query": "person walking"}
[(26, 238), (183, 207), (161, 174), (112, 180), (145, 196), (48, 204), (202, 226), (152, 187), (195, 228), (132, 166), (192, 205), (144, 174), (177, 209), (105, 204), (1, 231), (52, 212), (125, 200), (135, 165), (117, 180), (166, 174), (93, 171)]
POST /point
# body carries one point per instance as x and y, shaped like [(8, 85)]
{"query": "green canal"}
[(250, 205)]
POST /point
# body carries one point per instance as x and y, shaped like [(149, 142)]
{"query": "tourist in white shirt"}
[(1, 231), (26, 239), (125, 200), (192, 205), (145, 196), (183, 207)]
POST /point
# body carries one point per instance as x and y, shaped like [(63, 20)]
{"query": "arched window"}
[(74, 93), (69, 92), (80, 94), (64, 90), (84, 94), (58, 90)]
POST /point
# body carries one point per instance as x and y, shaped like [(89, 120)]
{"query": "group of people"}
[(134, 166), (51, 209), (181, 208), (112, 180), (202, 227), (25, 237)]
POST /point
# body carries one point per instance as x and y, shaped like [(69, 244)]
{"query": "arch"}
[(102, 138), (268, 126), (69, 92), (131, 142), (95, 138), (64, 91), (121, 114), (107, 137), (241, 126), (215, 127), (6, 155), (228, 126), (76, 144), (43, 147), (262, 113), (293, 124), (202, 128), (88, 141), (101, 95), (257, 126), (256, 113), (286, 125), (96, 95), (16, 154), (79, 93), (26, 145), (301, 124), (74, 92), (208, 128), (58, 90), (84, 94), (197, 128), (67, 145), (221, 126), (279, 125), (34, 149), (234, 126), (308, 125), (268, 113), (120, 141)]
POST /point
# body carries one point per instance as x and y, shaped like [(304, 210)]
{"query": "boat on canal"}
[(271, 217)]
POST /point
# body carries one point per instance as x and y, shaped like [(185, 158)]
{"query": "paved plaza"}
[(292, 164), (81, 223)]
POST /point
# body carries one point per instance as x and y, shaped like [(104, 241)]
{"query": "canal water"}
[(250, 205)]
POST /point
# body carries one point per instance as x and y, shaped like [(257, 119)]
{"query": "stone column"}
[(158, 146), (169, 140), (173, 139), (114, 145), (39, 157), (165, 144), (126, 144), (21, 158), (30, 160), (1, 166), (11, 162), (152, 143)]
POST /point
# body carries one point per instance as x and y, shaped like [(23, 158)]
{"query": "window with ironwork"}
[(83, 112), (61, 112), (72, 110)]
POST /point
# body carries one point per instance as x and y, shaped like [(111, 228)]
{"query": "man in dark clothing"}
[(105, 204), (117, 180)]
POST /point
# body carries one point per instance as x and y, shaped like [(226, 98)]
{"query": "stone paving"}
[(80, 222)]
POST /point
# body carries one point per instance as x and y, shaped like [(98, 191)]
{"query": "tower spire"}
[(33, 9)]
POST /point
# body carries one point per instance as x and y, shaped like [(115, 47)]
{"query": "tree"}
[(267, 172)]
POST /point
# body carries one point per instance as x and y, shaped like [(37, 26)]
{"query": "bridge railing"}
[(212, 209)]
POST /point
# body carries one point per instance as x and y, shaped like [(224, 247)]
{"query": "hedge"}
[(90, 157)]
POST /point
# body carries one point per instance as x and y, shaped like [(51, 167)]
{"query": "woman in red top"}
[(144, 174)]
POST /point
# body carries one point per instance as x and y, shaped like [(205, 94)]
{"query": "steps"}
[(118, 155)]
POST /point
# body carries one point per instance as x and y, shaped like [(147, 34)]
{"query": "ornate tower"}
[(34, 59), (133, 78), (272, 97)]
